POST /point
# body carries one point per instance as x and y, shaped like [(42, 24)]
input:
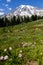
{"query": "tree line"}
[(17, 20)]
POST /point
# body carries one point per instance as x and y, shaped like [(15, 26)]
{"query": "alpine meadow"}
[(21, 36)]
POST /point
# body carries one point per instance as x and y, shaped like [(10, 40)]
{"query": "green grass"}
[(13, 36)]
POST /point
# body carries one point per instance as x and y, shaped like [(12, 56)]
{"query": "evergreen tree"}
[(34, 17), (13, 20), (39, 17), (6, 22), (18, 20), (1, 22)]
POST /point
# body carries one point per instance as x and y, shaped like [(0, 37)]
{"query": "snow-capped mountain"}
[(25, 10)]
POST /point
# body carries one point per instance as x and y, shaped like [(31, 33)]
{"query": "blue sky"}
[(9, 5)]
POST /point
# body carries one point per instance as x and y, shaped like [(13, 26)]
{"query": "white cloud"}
[(1, 13), (10, 8), (1, 9), (8, 0), (5, 5)]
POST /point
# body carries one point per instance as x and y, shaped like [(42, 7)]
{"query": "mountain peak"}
[(25, 10), (24, 6)]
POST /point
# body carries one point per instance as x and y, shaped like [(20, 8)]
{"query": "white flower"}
[(1, 58), (5, 50), (20, 51), (6, 57), (20, 55), (25, 44), (10, 48)]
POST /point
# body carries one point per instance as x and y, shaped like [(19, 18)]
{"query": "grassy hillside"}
[(26, 41)]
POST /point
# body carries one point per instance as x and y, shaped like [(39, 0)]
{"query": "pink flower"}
[(6, 57), (1, 58)]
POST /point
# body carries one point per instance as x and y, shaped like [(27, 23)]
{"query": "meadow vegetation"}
[(22, 44)]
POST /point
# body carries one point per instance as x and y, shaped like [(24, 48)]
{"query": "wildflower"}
[(34, 42), (20, 55), (1, 58), (10, 48), (6, 57), (20, 51), (5, 50), (37, 29), (26, 44), (41, 53)]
